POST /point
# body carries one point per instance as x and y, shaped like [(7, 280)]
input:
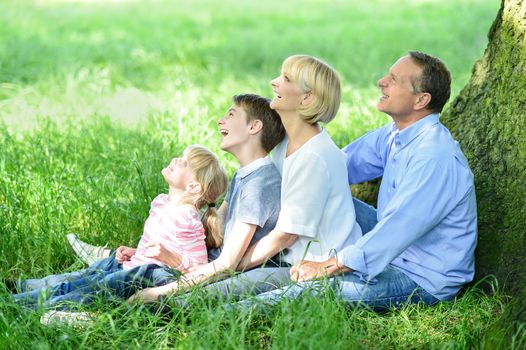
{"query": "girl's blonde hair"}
[(212, 177), (315, 76)]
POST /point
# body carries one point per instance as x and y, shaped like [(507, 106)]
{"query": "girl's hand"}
[(157, 251), (124, 253)]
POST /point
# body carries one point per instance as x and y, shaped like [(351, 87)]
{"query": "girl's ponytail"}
[(213, 228)]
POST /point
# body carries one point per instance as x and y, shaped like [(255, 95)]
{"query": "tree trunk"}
[(488, 118)]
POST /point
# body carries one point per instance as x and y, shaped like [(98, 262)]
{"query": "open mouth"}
[(223, 132)]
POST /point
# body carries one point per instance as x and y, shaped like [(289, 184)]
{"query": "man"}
[(419, 245)]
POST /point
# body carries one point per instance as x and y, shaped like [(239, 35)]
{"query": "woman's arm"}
[(266, 248), (307, 270)]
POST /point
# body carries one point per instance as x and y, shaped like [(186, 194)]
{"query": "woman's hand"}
[(157, 251), (124, 253)]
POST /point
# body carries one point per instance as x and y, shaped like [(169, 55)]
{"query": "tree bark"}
[(488, 118)]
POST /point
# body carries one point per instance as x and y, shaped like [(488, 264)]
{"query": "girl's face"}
[(178, 173), (288, 93)]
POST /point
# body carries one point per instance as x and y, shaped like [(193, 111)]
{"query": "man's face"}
[(234, 129), (398, 98)]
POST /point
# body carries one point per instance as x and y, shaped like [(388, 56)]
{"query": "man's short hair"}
[(435, 79), (258, 107)]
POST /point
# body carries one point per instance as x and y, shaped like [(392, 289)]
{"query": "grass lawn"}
[(97, 96)]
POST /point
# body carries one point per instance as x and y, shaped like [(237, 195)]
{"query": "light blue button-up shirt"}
[(427, 215)]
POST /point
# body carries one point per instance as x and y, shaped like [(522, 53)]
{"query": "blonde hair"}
[(212, 177), (315, 76)]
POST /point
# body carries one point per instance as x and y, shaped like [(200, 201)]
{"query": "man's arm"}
[(365, 156), (424, 197)]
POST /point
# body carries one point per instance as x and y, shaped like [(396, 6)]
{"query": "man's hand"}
[(147, 295), (124, 253), (157, 251), (307, 270)]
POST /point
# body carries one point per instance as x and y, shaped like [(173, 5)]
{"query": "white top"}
[(316, 202)]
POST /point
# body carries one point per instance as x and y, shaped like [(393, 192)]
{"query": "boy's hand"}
[(124, 253), (157, 251), (147, 295)]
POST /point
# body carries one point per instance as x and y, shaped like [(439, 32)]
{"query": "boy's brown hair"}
[(258, 108)]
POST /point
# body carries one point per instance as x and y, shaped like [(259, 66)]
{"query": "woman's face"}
[(288, 93)]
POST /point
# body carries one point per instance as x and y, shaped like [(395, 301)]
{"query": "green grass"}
[(95, 97)]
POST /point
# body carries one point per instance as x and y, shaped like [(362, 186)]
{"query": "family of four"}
[(288, 220)]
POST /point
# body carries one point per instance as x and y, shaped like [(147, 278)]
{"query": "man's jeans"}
[(390, 288), (104, 280)]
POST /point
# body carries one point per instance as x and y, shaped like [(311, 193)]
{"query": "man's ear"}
[(307, 98), (422, 101), (255, 126), (193, 187)]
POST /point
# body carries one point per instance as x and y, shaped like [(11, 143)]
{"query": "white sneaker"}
[(67, 318), (87, 253)]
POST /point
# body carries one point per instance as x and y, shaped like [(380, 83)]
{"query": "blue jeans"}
[(393, 289), (52, 280), (239, 286), (103, 280), (390, 288)]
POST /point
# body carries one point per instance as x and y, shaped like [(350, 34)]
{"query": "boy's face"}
[(234, 129)]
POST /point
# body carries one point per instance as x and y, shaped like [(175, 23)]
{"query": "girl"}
[(173, 236)]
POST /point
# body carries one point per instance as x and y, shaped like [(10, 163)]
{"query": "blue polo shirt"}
[(253, 198)]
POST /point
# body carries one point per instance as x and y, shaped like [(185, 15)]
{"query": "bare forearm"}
[(150, 295), (266, 248), (333, 267), (210, 272), (307, 270)]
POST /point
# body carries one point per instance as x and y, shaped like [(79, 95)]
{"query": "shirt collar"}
[(410, 133), (253, 166)]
